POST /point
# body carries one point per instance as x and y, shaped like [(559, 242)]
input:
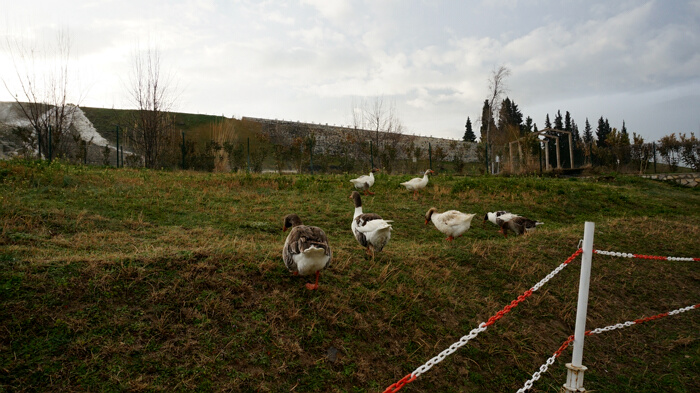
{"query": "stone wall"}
[(334, 140), (686, 179)]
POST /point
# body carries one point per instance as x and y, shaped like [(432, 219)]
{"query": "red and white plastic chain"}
[(474, 332), (640, 256), (569, 340)]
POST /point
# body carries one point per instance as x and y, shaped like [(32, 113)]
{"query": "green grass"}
[(136, 280)]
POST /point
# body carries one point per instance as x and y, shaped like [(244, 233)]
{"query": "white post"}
[(574, 377)]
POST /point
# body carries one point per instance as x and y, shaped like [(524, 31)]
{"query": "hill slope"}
[(114, 280)]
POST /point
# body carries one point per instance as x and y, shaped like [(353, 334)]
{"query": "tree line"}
[(503, 127)]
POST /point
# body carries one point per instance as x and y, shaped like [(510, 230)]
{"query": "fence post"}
[(430, 155), (249, 154), (311, 155), (38, 135), (50, 144), (183, 149), (117, 129), (576, 369)]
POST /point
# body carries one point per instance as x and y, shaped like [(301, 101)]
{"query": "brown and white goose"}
[(501, 214), (417, 183), (306, 250), (452, 223), (369, 229), (364, 182), (518, 224)]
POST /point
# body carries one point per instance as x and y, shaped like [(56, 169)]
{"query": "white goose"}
[(417, 183), (306, 250), (452, 223), (369, 229), (364, 182)]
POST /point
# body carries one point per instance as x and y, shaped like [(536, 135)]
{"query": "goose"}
[(364, 182), (452, 223), (306, 250), (519, 225), (417, 183), (502, 214), (370, 230)]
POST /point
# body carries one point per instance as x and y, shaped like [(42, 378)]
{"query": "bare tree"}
[(380, 118), (42, 77), (152, 94), (496, 90)]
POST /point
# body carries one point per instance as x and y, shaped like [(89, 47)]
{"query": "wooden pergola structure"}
[(546, 146)]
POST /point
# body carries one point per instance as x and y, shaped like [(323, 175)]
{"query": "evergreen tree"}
[(547, 123), (485, 119), (624, 133), (602, 132), (510, 121), (468, 133), (567, 122), (574, 131), (587, 134), (558, 121), (527, 127), (563, 139)]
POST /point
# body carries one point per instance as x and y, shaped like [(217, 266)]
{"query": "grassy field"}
[(136, 280)]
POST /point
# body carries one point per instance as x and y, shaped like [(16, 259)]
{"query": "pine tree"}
[(625, 134), (587, 134), (547, 123), (510, 121), (567, 122), (485, 119), (602, 132), (558, 124), (469, 133), (563, 139)]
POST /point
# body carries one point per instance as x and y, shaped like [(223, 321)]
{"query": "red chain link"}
[(564, 346), (509, 307), (640, 256), (401, 383), (647, 319), (573, 256)]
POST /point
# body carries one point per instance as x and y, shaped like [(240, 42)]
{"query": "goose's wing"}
[(374, 225), (364, 218), (360, 180)]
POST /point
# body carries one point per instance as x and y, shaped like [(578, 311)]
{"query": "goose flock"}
[(307, 250)]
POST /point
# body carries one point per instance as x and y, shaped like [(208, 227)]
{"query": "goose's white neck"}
[(358, 211)]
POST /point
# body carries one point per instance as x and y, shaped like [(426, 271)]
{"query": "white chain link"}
[(628, 255), (613, 327), (449, 351), (537, 374), (615, 254), (548, 277), (682, 310)]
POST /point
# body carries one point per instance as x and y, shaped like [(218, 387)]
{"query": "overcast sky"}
[(309, 60)]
